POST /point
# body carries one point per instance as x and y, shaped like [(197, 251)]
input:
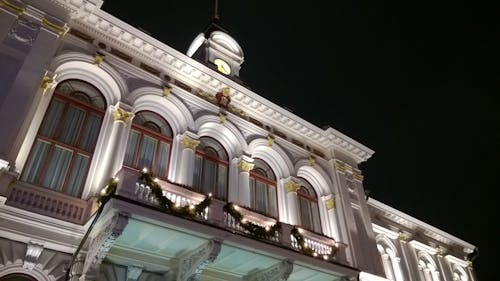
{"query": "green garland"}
[(254, 229), (190, 211), (302, 243), (108, 191)]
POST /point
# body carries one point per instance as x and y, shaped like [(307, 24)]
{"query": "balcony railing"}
[(47, 202), (318, 245)]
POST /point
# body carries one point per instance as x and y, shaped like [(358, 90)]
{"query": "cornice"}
[(120, 35), (414, 224)]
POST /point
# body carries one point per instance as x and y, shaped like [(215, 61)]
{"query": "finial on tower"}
[(216, 10)]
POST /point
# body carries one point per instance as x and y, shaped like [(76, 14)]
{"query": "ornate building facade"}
[(124, 159)]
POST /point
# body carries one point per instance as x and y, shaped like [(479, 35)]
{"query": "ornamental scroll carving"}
[(190, 143), (291, 186), (245, 166), (103, 241), (277, 272), (193, 263), (122, 115)]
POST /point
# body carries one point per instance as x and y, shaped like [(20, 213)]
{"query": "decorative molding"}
[(222, 117), (98, 58), (340, 166), (455, 260), (356, 174), (157, 54), (103, 241), (15, 8), (133, 272), (387, 232), (24, 31), (312, 160), (277, 272), (122, 115), (422, 247), (270, 140), (33, 251), (54, 27), (192, 264), (245, 166), (166, 91), (188, 142), (291, 186)]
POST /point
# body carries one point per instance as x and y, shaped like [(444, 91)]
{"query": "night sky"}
[(412, 80)]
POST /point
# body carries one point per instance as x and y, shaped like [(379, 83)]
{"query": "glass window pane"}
[(252, 193), (261, 192), (57, 168), (162, 160), (72, 121), (147, 153), (77, 175), (305, 216), (90, 132), (209, 174), (315, 217), (33, 167), (273, 209), (197, 173), (52, 118), (222, 182), (132, 145)]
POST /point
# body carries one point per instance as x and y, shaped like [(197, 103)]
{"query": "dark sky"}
[(413, 80)]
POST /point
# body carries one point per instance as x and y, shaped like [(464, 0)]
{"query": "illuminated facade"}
[(87, 102)]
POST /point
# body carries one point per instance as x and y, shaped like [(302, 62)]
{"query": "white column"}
[(245, 165), (113, 149), (291, 187), (189, 143), (387, 267), (329, 201), (396, 266)]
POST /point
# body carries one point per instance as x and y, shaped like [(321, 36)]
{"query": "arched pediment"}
[(274, 156), (227, 134), (315, 175)]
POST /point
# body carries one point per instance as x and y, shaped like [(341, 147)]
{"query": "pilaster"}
[(188, 143), (291, 186), (244, 165)]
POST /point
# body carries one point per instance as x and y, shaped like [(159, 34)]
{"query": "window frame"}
[(218, 161), (267, 181)]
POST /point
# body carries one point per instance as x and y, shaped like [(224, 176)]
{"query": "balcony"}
[(217, 215)]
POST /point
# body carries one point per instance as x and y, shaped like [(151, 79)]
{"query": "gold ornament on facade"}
[(330, 204), (270, 140), (340, 166), (291, 186), (166, 91), (312, 160), (46, 83), (190, 143), (222, 117), (19, 10), (60, 30), (98, 59), (402, 236), (122, 115), (244, 166), (439, 251), (357, 175)]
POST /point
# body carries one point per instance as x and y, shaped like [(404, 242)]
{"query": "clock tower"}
[(217, 49)]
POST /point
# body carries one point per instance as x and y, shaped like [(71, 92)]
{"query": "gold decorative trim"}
[(330, 204), (245, 166), (340, 167), (190, 143), (46, 83), (222, 117), (312, 160), (98, 59), (291, 186), (57, 29), (358, 176), (122, 115), (402, 236), (270, 140), (166, 91), (17, 9)]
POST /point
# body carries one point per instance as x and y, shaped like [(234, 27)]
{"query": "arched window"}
[(390, 259), (65, 143), (149, 144), (308, 207), (17, 277), (459, 274), (263, 189), (210, 168), (427, 268)]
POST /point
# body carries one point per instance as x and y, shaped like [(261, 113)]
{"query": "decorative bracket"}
[(33, 251), (192, 264), (277, 272), (102, 243), (133, 272)]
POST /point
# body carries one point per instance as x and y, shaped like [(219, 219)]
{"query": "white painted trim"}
[(387, 232)]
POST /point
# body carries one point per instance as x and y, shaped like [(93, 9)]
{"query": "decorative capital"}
[(245, 166), (47, 82), (190, 143), (98, 58), (291, 186), (166, 91), (122, 115), (270, 140), (402, 236), (330, 204)]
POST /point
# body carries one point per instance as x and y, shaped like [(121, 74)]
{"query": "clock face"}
[(222, 66)]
